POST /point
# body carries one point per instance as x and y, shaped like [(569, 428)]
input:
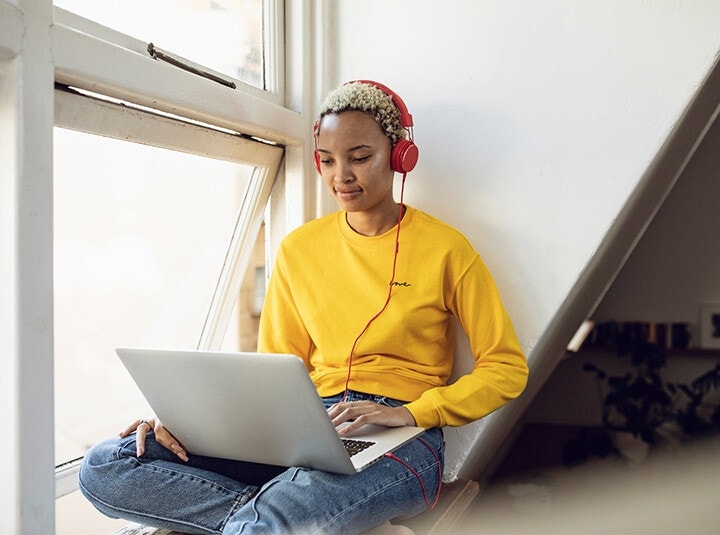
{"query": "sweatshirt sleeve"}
[(281, 327), (500, 370)]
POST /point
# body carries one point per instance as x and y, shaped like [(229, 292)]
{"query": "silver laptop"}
[(252, 407)]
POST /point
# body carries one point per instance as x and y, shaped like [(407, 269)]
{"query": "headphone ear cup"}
[(404, 156), (316, 158)]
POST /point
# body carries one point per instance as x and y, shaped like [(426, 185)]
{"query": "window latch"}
[(187, 65)]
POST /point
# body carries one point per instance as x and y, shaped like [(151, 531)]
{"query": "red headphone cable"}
[(430, 505), (401, 210)]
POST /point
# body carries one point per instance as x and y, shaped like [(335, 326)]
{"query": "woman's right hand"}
[(162, 437)]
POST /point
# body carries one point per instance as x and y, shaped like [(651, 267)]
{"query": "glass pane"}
[(140, 238), (224, 35)]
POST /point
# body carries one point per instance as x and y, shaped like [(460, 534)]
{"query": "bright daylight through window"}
[(224, 35), (140, 237)]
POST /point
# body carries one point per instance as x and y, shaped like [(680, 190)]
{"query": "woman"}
[(366, 297)]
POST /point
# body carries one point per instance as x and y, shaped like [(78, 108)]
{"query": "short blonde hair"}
[(370, 99)]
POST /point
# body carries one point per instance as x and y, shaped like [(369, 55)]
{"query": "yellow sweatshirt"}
[(329, 281)]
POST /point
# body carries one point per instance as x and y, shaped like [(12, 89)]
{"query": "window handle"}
[(187, 65)]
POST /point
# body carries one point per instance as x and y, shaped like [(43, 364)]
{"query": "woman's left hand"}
[(359, 413), (162, 437)]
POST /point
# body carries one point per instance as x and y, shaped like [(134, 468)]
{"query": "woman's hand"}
[(359, 413), (162, 437)]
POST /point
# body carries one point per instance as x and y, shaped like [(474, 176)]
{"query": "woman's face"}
[(355, 162)]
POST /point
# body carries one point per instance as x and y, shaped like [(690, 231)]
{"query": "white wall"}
[(535, 121)]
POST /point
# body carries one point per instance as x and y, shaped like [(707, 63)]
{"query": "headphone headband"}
[(405, 118)]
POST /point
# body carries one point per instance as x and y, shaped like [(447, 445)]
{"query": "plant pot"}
[(632, 448)]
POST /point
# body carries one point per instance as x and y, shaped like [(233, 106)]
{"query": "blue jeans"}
[(218, 496)]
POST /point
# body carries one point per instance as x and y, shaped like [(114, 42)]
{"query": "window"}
[(160, 186), (186, 114), (150, 247)]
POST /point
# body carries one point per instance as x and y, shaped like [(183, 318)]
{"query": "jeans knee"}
[(99, 456), (96, 468)]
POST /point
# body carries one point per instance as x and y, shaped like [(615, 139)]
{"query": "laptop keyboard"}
[(355, 446)]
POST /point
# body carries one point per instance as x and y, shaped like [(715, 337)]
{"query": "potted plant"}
[(641, 404), (689, 415), (639, 401)]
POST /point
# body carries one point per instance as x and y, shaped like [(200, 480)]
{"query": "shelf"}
[(670, 352)]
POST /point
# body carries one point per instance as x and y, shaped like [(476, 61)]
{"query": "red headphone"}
[(404, 153)]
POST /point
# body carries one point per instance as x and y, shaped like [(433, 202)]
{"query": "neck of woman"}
[(375, 223)]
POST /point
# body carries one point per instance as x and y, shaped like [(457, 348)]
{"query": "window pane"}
[(224, 35), (141, 234)]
